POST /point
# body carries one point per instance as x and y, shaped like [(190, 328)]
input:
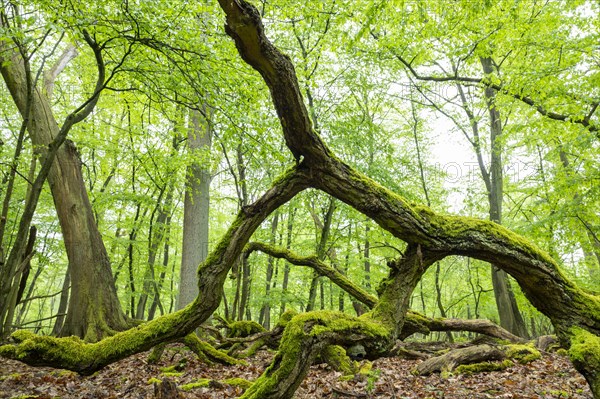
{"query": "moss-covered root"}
[(244, 328), (585, 355), (336, 357), (306, 336), (156, 354), (270, 339), (208, 383), (207, 353)]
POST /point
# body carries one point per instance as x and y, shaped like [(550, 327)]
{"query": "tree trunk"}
[(325, 228), (265, 312), (196, 206), (286, 267), (510, 316), (62, 305), (452, 359)]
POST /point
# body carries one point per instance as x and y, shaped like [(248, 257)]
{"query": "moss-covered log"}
[(476, 354), (449, 361)]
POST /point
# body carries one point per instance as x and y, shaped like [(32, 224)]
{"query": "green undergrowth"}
[(244, 328)]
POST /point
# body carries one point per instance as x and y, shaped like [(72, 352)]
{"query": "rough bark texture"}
[(452, 359)]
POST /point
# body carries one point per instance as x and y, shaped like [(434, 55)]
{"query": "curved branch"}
[(319, 266), (244, 25), (85, 358), (536, 272)]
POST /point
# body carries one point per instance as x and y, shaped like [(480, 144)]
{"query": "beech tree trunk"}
[(195, 207), (508, 310)]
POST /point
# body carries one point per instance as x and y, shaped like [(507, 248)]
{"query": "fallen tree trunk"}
[(456, 357)]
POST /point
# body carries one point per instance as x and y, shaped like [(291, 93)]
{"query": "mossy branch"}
[(86, 358), (319, 266)]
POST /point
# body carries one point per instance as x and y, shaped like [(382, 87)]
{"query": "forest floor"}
[(552, 376)]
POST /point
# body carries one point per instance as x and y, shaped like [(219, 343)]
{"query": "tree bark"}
[(196, 207), (452, 359), (265, 311)]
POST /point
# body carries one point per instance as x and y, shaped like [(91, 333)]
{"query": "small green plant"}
[(372, 378)]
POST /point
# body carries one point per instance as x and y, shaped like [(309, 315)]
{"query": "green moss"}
[(286, 317), (170, 369), (366, 368), (562, 352), (522, 353), (457, 226), (172, 373), (153, 380), (207, 382), (237, 382), (207, 353), (585, 348), (156, 353), (244, 328), (475, 368), (200, 383), (304, 331), (251, 351), (336, 357)]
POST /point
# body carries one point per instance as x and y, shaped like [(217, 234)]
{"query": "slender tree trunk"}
[(265, 312), (161, 280), (325, 228), (158, 233), (62, 304), (367, 256), (286, 267), (196, 206), (508, 310)]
